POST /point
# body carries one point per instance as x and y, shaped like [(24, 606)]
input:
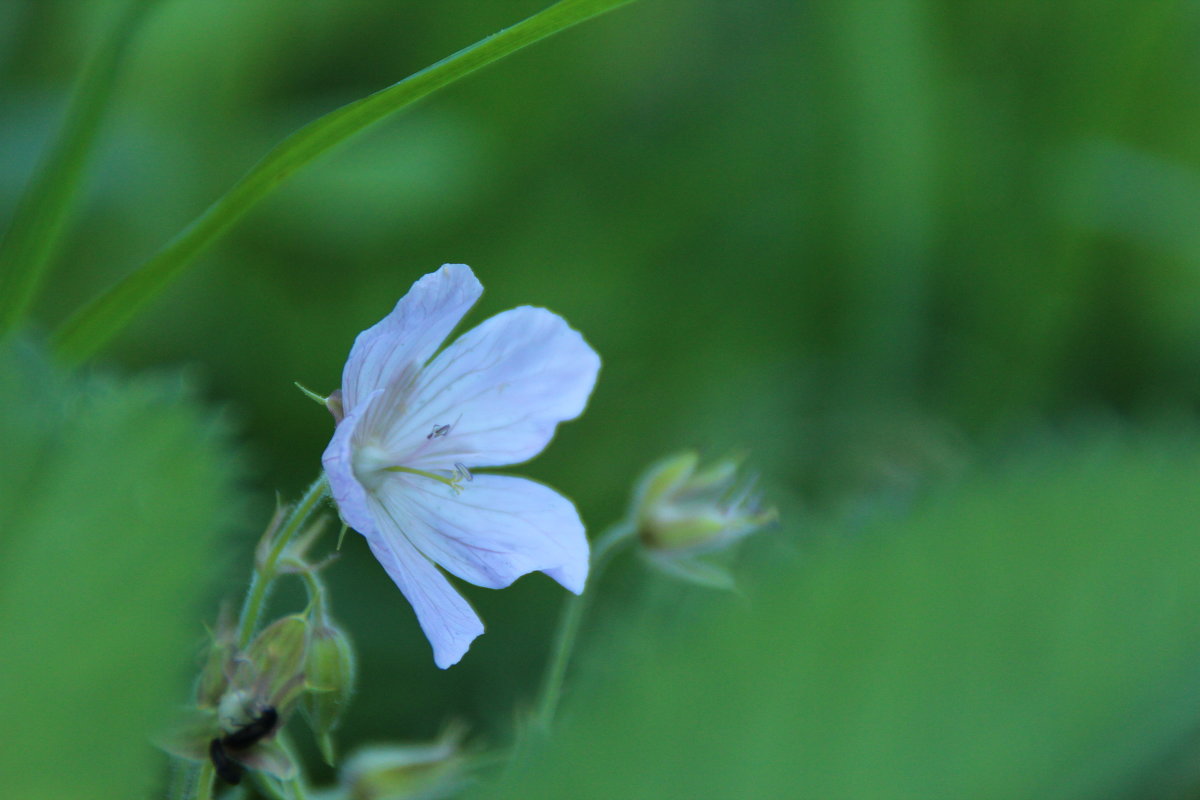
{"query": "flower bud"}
[(399, 772), (274, 664), (678, 509), (329, 677)]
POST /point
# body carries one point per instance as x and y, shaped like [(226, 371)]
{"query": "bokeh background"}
[(873, 244)]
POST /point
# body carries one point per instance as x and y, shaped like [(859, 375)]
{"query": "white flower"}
[(401, 462)]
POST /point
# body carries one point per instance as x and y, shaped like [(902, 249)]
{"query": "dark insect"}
[(254, 730), (246, 736), (228, 770)]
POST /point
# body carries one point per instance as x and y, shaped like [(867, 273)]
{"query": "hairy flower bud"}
[(243, 698), (274, 665), (678, 508), (680, 512), (397, 772), (329, 675)]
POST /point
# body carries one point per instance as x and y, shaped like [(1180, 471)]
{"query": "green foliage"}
[(865, 241), (33, 235), (105, 317), (1027, 633), (113, 495)]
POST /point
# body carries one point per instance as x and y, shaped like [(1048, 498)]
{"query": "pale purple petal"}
[(501, 389), (338, 460), (497, 529), (446, 618), (411, 333)]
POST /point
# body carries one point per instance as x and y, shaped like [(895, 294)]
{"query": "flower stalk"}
[(571, 618), (264, 572)]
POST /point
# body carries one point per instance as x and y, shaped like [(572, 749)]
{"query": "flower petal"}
[(338, 460), (499, 528), (411, 333), (446, 618), (495, 396)]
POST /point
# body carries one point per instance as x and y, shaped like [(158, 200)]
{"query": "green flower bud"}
[(402, 772), (274, 663), (678, 509), (329, 676)]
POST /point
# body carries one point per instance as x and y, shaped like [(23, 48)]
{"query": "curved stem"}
[(569, 621), (204, 783), (264, 573)]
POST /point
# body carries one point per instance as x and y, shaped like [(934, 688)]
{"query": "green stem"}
[(204, 784), (264, 574), (569, 621), (38, 221), (89, 329), (317, 602)]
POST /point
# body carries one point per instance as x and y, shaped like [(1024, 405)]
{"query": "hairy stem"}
[(264, 574)]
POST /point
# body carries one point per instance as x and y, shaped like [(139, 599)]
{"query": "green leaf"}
[(99, 321), (32, 238), (113, 495), (1029, 633)]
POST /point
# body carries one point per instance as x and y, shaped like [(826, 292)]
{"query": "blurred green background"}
[(870, 243)]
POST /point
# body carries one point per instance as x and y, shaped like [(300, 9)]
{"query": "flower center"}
[(372, 464)]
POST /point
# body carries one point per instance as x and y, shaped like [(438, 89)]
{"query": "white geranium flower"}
[(415, 427)]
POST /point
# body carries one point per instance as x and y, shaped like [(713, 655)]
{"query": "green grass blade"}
[(30, 243), (99, 321)]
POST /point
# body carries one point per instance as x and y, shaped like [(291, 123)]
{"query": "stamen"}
[(438, 431), (454, 481)]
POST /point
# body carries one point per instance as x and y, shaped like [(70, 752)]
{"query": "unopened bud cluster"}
[(406, 771), (244, 696), (681, 512), (679, 507)]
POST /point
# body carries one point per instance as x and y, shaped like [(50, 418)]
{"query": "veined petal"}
[(447, 619), (497, 529), (338, 460), (501, 389), (411, 333)]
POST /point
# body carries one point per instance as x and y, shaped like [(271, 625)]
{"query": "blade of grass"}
[(32, 238), (89, 329)]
